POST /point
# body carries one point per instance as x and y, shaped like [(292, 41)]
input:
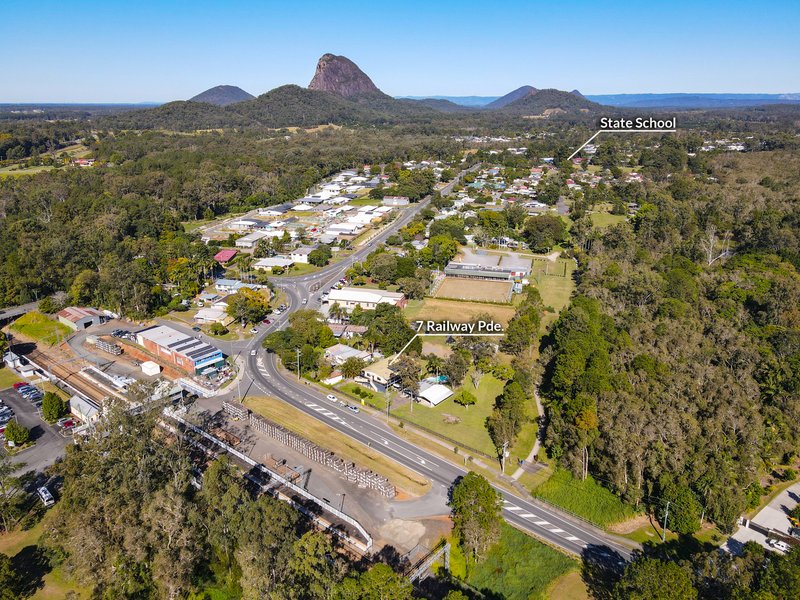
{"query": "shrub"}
[(16, 433), (53, 407)]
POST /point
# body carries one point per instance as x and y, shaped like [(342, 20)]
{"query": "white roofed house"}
[(339, 353), (271, 262), (251, 239), (367, 298)]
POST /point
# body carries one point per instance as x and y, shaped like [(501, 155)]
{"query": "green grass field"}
[(519, 567), (16, 171), (603, 219), (351, 389), (554, 281), (365, 201), (471, 430), (587, 499), (438, 309), (41, 328), (7, 378)]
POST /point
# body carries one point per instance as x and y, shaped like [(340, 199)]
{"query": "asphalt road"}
[(49, 444), (571, 535)]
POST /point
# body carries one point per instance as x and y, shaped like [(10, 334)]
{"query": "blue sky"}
[(160, 50)]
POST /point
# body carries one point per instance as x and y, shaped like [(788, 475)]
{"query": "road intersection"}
[(262, 372)]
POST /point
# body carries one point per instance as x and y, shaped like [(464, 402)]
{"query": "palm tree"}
[(337, 312)]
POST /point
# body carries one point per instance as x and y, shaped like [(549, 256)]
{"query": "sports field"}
[(475, 290)]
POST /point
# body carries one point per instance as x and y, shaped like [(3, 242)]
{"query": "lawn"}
[(7, 378), (299, 269), (364, 201), (470, 431), (587, 499), (16, 171), (519, 567), (42, 328), (437, 309), (352, 390), (459, 288), (344, 446), (603, 219), (555, 284), (54, 583)]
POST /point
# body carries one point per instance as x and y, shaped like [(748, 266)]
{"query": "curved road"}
[(573, 536)]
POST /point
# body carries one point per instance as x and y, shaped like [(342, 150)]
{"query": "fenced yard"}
[(475, 290)]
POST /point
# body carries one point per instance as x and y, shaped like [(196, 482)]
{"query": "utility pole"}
[(297, 350), (664, 531), (503, 458)]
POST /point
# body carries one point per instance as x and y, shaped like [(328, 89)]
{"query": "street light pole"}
[(297, 350)]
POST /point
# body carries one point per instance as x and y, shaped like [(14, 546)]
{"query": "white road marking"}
[(528, 516), (556, 530), (514, 508), (541, 523), (572, 538)]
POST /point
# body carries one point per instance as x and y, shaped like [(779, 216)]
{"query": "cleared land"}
[(569, 587), (603, 219), (519, 567), (460, 288), (470, 430), (345, 447), (587, 499), (438, 309), (41, 328)]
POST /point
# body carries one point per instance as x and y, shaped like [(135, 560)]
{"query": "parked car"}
[(45, 496), (266, 322), (332, 398), (254, 330), (63, 420), (20, 384), (778, 544), (195, 328)]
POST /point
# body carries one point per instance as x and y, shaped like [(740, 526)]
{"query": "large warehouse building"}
[(183, 351)]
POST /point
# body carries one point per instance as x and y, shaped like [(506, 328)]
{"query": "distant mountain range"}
[(341, 93), (684, 101)]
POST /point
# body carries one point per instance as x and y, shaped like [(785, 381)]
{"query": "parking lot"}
[(49, 444)]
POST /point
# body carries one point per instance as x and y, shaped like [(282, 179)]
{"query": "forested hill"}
[(539, 102), (285, 106), (223, 95)]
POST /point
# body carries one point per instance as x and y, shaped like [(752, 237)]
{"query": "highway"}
[(571, 535)]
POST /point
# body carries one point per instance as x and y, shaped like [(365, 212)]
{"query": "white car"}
[(778, 544), (332, 398), (252, 352), (305, 300), (254, 330)]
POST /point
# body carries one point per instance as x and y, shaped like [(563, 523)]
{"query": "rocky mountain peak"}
[(340, 75)]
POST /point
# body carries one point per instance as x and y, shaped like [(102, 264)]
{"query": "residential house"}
[(367, 298), (339, 353)]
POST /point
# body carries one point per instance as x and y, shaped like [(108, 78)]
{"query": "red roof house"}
[(224, 256)]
